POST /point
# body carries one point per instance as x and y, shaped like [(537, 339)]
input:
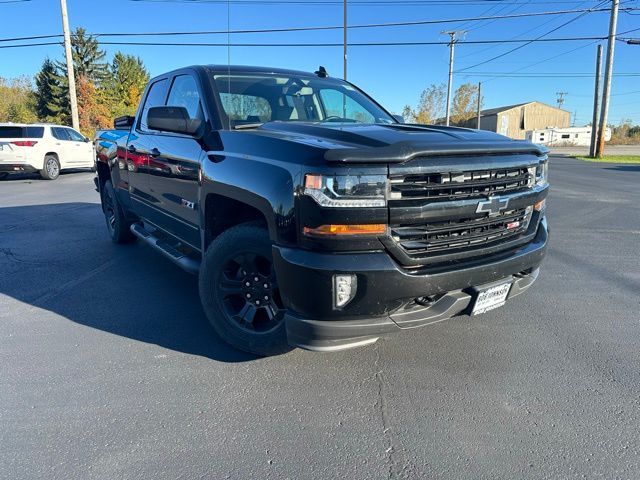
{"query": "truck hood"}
[(395, 143)]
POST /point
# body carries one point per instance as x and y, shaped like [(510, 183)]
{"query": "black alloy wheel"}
[(250, 293), (239, 291)]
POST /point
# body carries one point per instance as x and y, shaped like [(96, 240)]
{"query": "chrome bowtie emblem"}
[(493, 205)]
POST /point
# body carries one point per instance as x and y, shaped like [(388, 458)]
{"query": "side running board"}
[(183, 261)]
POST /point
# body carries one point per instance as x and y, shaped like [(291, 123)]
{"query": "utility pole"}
[(454, 37), (561, 96), (613, 27), (73, 100), (345, 41), (596, 104), (479, 104)]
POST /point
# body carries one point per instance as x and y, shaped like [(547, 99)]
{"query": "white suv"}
[(43, 148)]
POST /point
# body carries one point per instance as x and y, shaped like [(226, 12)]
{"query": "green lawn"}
[(613, 159)]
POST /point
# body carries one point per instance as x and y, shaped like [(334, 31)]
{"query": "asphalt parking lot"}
[(109, 370)]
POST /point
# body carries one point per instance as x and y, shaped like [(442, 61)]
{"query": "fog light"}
[(344, 289)]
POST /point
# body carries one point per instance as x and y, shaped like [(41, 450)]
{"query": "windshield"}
[(250, 99)]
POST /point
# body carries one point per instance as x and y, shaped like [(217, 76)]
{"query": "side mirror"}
[(172, 119), (87, 139), (399, 118), (123, 123)]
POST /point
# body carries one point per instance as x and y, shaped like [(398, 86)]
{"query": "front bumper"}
[(385, 301)]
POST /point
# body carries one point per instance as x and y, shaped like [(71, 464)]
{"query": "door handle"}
[(131, 149), (155, 153)]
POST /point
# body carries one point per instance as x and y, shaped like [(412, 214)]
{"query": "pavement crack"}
[(398, 466), (72, 283), (12, 257)]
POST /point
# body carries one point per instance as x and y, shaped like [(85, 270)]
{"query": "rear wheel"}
[(51, 168), (239, 291), (117, 225)]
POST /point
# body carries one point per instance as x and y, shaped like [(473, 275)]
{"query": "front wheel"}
[(239, 291)]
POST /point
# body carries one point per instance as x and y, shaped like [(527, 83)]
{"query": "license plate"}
[(491, 298)]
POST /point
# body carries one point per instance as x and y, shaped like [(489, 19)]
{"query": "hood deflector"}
[(408, 150)]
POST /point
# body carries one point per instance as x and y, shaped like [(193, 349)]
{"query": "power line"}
[(532, 41), (522, 34), (329, 27), (353, 2), (503, 74), (551, 75), (40, 44), (333, 44), (363, 26)]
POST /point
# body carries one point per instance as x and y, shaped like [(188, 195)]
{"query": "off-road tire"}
[(223, 289)]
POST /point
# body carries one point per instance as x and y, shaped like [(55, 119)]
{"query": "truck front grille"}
[(456, 185), (452, 235)]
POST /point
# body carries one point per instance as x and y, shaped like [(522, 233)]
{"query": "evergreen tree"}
[(51, 97), (88, 58)]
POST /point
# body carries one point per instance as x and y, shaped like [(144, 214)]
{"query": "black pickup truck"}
[(313, 217)]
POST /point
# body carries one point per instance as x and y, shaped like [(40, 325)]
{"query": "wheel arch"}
[(222, 212)]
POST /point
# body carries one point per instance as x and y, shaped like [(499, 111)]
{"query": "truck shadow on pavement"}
[(59, 258)]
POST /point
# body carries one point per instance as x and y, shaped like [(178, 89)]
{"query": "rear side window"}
[(60, 133), (184, 93), (11, 132), (34, 132), (155, 98), (21, 132)]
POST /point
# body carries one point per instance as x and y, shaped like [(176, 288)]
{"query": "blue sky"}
[(394, 75)]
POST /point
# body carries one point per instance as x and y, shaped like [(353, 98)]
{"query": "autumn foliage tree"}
[(430, 107), (465, 103), (104, 90), (17, 100), (93, 111), (125, 84)]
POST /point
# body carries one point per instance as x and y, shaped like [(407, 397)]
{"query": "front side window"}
[(155, 98), (75, 136), (250, 98), (184, 93)]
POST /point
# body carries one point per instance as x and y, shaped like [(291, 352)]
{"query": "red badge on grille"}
[(512, 225)]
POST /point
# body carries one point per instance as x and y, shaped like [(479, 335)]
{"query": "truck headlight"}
[(542, 173), (339, 191)]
